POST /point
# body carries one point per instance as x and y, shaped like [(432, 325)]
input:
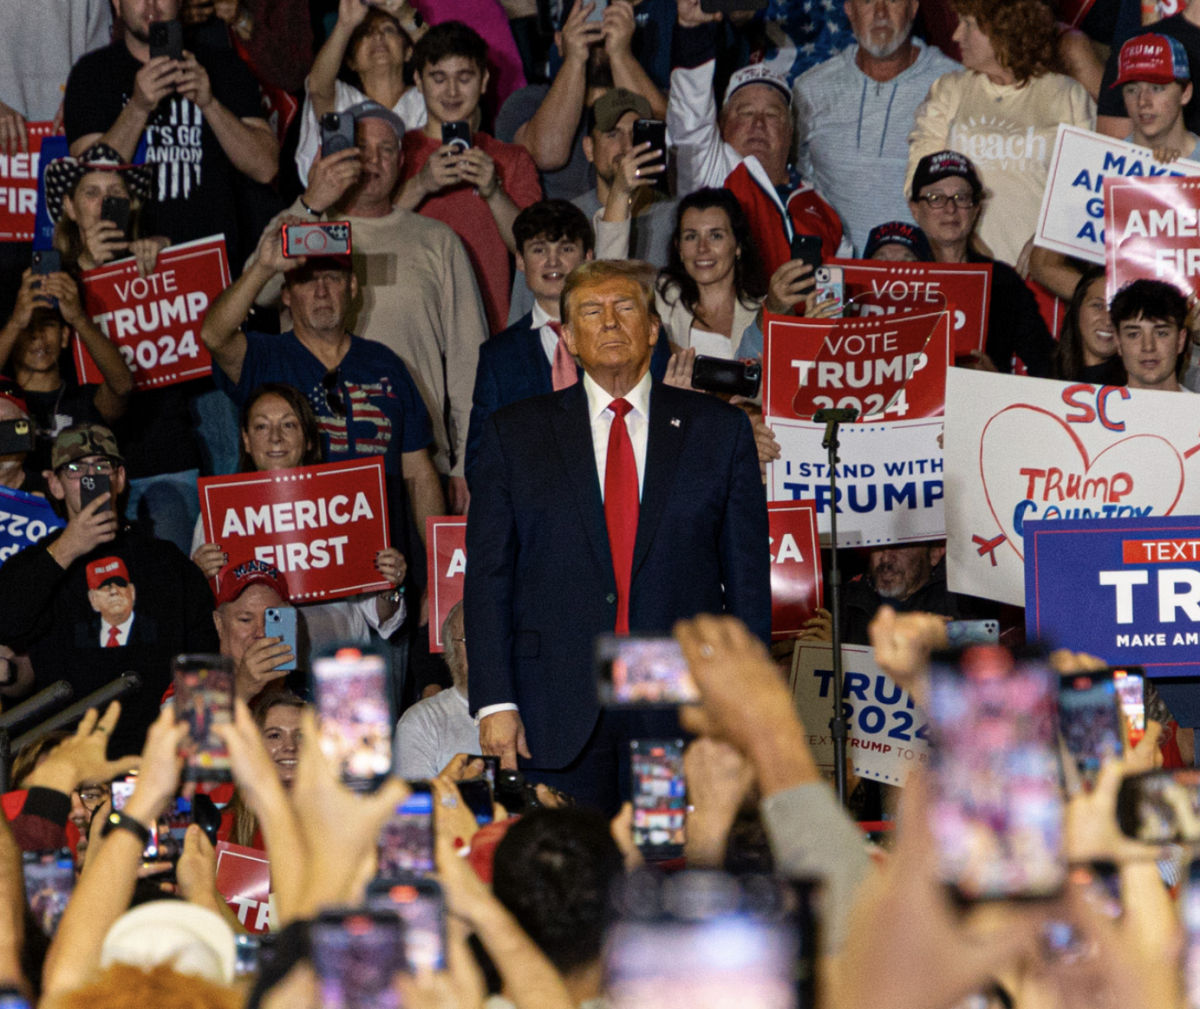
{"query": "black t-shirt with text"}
[(194, 176)]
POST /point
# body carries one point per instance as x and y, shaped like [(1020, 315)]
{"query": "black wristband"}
[(308, 209), (119, 821)]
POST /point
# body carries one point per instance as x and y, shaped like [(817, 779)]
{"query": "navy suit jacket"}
[(512, 367), (539, 586)]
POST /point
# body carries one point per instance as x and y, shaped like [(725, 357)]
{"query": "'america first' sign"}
[(1125, 590)]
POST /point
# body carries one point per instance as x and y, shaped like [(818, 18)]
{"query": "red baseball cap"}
[(1155, 59), (12, 392), (234, 579), (105, 570)]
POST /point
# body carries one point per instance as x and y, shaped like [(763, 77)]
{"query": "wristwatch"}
[(119, 821)]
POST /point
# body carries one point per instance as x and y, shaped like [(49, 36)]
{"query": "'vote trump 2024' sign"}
[(1125, 590)]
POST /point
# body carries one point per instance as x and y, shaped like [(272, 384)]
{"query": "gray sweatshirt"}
[(853, 135)]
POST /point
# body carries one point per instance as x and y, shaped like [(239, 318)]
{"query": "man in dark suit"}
[(618, 503), (529, 358)]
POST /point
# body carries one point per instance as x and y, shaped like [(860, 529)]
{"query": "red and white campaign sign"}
[(320, 525), (155, 321), (796, 589), (446, 550), (1151, 230), (19, 185), (890, 367), (244, 880), (880, 288)]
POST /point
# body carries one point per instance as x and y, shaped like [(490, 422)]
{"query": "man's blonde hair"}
[(598, 271)]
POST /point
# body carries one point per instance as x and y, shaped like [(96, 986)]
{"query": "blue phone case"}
[(281, 623)]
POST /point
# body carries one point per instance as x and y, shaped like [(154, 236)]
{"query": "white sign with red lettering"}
[(155, 321), (446, 552), (19, 174)]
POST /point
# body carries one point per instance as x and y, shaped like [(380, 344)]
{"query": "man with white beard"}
[(854, 113)]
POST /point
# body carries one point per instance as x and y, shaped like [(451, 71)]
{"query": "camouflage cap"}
[(82, 440)]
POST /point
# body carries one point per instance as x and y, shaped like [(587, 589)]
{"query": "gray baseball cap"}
[(373, 110)]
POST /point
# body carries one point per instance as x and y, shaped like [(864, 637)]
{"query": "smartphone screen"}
[(1161, 807), (406, 841), (167, 835), (477, 794), (635, 671), (49, 881), (659, 796), (204, 699), (1090, 722), (353, 701), (997, 807), (356, 956), (422, 908), (1131, 692), (122, 789)]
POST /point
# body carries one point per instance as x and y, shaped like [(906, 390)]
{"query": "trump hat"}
[(105, 570), (1155, 59), (759, 73), (235, 579), (940, 165)]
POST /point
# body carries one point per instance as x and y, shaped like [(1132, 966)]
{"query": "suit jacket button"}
[(612, 597)]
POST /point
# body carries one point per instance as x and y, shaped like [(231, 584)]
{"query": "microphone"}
[(831, 419), (37, 705), (124, 684)]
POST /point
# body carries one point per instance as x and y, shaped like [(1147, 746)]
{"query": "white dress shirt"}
[(637, 423), (540, 321), (122, 631)]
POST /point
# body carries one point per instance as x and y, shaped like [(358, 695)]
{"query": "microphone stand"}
[(33, 707), (99, 699), (839, 725)]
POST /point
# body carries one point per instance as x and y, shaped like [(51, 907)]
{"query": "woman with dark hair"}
[(280, 431), (1087, 346), (363, 58), (1002, 111)]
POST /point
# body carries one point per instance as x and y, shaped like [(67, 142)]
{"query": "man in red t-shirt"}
[(477, 185)]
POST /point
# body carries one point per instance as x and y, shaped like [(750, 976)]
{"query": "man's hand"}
[(196, 871), (579, 34), (679, 369), (259, 666), (817, 628), (618, 25), (502, 734), (718, 780), (790, 284), (462, 768), (83, 756), (330, 178), (459, 495), (689, 14), (14, 137), (193, 82), (63, 287), (154, 82), (96, 524), (767, 445), (29, 297), (441, 169), (269, 254), (477, 168)]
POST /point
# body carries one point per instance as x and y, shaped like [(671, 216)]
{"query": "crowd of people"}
[(555, 211)]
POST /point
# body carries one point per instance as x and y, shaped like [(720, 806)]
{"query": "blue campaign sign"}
[(24, 519)]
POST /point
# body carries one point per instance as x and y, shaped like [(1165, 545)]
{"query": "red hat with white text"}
[(1155, 59), (234, 579)]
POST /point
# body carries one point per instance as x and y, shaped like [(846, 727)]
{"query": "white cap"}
[(188, 938), (759, 73)]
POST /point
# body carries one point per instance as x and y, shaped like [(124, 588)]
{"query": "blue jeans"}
[(167, 505)]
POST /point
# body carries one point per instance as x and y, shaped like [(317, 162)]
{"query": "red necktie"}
[(114, 638), (563, 373), (621, 507)]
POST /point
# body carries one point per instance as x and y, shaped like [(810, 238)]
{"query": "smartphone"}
[(641, 671), (972, 632), (831, 283), (92, 486), (356, 955), (807, 248), (457, 133), (322, 238), (659, 796), (1191, 925), (491, 767), (405, 847), (167, 835), (598, 13), (16, 436), (354, 705), (122, 789), (477, 794), (735, 378), (245, 955), (337, 133), (280, 622), (997, 806), (117, 210), (204, 699), (654, 132), (46, 261), (707, 939), (1090, 722), (49, 882), (1161, 807), (166, 39), (1130, 683), (422, 907)]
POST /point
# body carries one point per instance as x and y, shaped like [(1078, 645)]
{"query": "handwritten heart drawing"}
[(1024, 437)]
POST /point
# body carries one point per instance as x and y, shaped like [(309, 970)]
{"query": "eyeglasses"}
[(104, 467), (333, 398), (92, 797), (938, 200)]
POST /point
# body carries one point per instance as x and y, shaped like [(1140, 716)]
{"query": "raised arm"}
[(628, 73), (322, 79)]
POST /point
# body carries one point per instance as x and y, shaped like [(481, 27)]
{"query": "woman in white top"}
[(280, 431), (363, 58)]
